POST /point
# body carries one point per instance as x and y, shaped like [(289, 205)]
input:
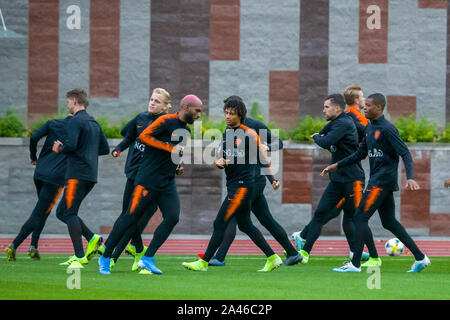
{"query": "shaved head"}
[(191, 99), (191, 108)]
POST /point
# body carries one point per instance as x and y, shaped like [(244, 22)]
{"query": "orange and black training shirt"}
[(157, 170)]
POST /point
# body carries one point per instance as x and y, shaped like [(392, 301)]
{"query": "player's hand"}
[(447, 183), (275, 184), (33, 162), (178, 149), (330, 168), (412, 185), (221, 163), (264, 147), (314, 134), (115, 153), (56, 145), (179, 170)]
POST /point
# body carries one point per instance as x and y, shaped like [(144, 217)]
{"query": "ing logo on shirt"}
[(377, 134), (139, 146)]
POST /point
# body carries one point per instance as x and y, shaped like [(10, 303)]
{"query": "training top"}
[(383, 145), (131, 132), (271, 141), (157, 170), (244, 153), (340, 137), (51, 167), (83, 144), (359, 119)]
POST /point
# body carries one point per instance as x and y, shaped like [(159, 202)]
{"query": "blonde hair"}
[(351, 93), (163, 92)]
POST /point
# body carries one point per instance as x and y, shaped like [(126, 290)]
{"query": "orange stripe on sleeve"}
[(147, 138), (71, 189), (372, 197), (235, 202), (54, 201)]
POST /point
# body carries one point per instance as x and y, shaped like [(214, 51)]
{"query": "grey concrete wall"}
[(14, 57)]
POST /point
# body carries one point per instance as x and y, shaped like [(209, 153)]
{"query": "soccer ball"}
[(394, 247)]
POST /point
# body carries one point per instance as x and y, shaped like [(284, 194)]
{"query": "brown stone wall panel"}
[(284, 114), (225, 30), (297, 176), (415, 205), (283, 85), (440, 224), (373, 43), (314, 51), (179, 49), (104, 35), (400, 106), (43, 38), (432, 4), (313, 84), (283, 98), (314, 24)]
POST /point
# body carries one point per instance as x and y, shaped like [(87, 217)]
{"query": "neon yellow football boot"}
[(272, 262), (138, 257), (199, 265), (305, 256), (372, 262), (93, 245), (11, 252), (75, 262), (130, 249)]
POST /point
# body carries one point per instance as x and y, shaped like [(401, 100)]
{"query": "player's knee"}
[(245, 227), (60, 215), (388, 224), (219, 225), (172, 220), (359, 219)]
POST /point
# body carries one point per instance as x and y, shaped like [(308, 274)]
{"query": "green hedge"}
[(409, 129), (412, 131), (11, 126)]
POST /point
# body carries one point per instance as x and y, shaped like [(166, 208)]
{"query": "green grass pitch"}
[(239, 280)]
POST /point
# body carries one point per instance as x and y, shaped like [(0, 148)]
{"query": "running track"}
[(244, 247)]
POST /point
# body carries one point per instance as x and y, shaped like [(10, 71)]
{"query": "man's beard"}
[(189, 118)]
